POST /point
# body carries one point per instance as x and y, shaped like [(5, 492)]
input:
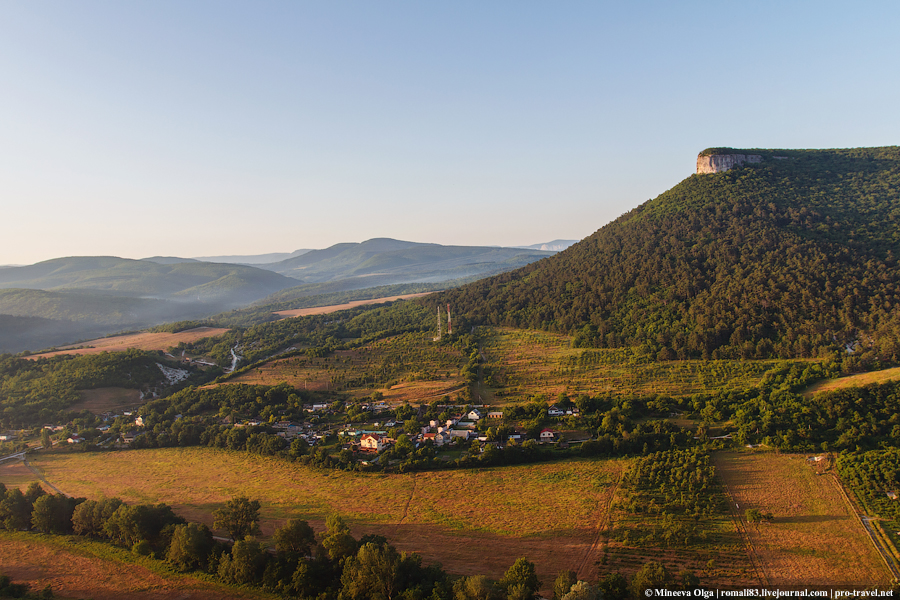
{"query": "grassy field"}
[(476, 521), (860, 380), (324, 310), (523, 363), (406, 368), (79, 568), (110, 399), (14, 474), (141, 341), (815, 537)]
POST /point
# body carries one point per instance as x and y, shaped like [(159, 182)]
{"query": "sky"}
[(194, 128)]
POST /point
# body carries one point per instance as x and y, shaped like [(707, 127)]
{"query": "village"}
[(364, 429)]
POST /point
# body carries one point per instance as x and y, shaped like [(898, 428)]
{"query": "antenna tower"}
[(449, 323), (439, 323)]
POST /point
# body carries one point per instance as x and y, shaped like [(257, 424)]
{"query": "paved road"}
[(20, 455)]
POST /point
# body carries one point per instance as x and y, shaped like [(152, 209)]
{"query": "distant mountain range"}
[(554, 246), (384, 261), (89, 296), (251, 259)]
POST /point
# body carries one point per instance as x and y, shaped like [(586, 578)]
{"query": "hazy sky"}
[(198, 128)]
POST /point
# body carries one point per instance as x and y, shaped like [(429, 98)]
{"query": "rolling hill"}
[(793, 256), (223, 283), (69, 299), (384, 261)]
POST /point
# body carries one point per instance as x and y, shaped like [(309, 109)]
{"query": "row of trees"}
[(673, 494)]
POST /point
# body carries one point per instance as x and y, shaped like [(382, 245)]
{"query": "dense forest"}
[(793, 257)]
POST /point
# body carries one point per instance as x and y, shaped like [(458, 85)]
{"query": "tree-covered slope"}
[(794, 256)]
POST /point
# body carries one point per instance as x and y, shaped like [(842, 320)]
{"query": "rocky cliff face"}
[(716, 163)]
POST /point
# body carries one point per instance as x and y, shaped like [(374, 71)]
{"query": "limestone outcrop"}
[(716, 163)]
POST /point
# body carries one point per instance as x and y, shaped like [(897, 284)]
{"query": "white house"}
[(548, 435), (372, 443), (474, 415)]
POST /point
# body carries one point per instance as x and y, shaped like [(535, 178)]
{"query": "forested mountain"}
[(383, 261), (794, 256)]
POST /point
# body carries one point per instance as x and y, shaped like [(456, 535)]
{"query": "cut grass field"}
[(324, 310), (140, 341), (476, 521), (405, 368), (79, 568), (815, 537), (830, 385), (523, 363)]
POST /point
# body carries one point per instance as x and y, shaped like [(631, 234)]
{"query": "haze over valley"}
[(449, 301)]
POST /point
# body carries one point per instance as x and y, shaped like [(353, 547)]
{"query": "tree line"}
[(332, 565)]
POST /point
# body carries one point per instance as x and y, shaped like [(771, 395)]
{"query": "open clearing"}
[(15, 474), (140, 341), (815, 537), (405, 368), (471, 521), (829, 385), (524, 362), (78, 568), (109, 399), (324, 310)]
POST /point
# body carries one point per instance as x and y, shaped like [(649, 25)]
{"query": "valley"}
[(705, 389)]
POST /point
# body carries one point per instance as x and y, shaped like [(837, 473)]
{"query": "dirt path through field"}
[(601, 538), (412, 495), (40, 476)]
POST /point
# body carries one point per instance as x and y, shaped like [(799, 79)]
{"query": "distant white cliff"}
[(716, 163)]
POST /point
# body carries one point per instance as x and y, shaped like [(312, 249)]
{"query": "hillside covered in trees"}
[(795, 256)]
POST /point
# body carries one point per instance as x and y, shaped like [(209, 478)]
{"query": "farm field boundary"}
[(814, 537)]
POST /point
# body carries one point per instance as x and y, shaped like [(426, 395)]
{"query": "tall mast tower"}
[(449, 323), (439, 323)]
